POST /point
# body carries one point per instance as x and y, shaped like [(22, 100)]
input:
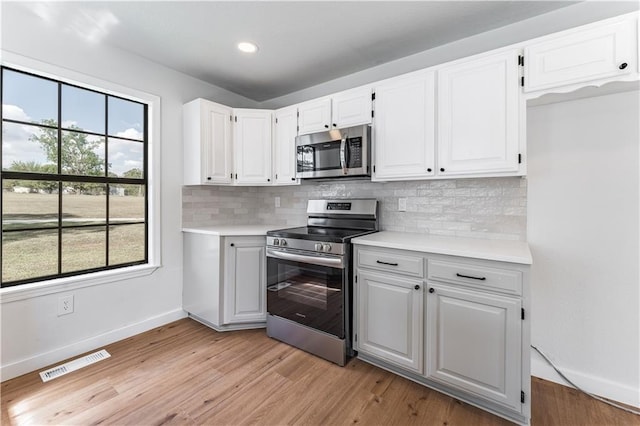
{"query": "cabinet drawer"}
[(392, 261), (498, 279)]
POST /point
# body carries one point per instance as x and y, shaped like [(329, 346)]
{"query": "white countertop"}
[(233, 230), (500, 250)]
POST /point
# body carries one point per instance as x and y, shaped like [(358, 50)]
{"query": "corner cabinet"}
[(245, 284), (227, 146), (480, 109), (224, 280), (207, 134), (455, 323), (284, 146), (252, 144)]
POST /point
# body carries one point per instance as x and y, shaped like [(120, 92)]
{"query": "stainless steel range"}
[(309, 287)]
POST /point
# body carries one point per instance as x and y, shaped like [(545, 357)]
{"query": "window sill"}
[(28, 291)]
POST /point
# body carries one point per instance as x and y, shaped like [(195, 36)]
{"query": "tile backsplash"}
[(482, 208)]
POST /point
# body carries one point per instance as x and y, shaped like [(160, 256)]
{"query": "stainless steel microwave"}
[(334, 153)]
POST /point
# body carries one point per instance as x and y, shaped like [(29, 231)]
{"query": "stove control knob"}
[(283, 242), (276, 242), (318, 247), (326, 248)]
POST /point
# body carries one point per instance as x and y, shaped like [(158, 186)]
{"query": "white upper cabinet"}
[(581, 55), (479, 113), (344, 109), (207, 143), (404, 127), (351, 108), (284, 146), (314, 116), (252, 143)]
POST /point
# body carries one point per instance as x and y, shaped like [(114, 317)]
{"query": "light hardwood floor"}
[(186, 373)]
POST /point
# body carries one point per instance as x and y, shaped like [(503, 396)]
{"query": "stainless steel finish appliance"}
[(334, 153), (309, 287)]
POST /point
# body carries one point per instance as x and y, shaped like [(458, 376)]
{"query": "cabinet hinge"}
[(521, 60), (356, 278), (297, 113), (355, 337), (519, 158), (373, 96), (276, 121), (522, 81), (522, 396), (372, 114), (522, 313), (298, 128)]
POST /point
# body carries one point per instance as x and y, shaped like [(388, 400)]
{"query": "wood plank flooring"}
[(186, 373)]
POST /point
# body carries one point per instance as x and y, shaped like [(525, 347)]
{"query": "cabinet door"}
[(478, 116), (284, 149), (245, 288), (389, 318), (252, 142), (584, 55), (314, 116), (207, 143), (201, 290), (474, 342), (404, 127), (351, 108)]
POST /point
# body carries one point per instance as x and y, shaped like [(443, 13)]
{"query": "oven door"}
[(311, 294)]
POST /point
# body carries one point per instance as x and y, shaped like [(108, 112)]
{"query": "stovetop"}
[(338, 235)]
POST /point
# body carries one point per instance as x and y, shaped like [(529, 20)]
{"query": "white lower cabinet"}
[(474, 341), (390, 322), (245, 284), (455, 324), (224, 280)]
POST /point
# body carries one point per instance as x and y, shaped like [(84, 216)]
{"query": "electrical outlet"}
[(65, 305), (277, 202), (402, 204)]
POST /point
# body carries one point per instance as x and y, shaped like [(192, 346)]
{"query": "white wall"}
[(583, 213), (32, 334)]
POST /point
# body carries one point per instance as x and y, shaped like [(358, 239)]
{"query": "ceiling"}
[(301, 44)]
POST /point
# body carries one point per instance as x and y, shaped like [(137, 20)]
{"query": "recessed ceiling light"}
[(247, 47)]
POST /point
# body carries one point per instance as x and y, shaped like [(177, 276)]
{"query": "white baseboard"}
[(596, 385), (36, 362)]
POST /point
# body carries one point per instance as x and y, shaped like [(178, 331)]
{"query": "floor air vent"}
[(74, 365)]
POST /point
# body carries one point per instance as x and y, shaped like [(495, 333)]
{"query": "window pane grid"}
[(100, 222)]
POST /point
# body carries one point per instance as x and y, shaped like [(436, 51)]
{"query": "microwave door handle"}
[(343, 155)]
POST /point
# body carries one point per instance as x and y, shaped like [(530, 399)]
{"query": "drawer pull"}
[(386, 263), (469, 276)]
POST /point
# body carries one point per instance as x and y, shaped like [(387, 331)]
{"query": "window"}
[(74, 179)]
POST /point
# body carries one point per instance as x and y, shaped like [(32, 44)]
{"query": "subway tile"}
[(487, 207)]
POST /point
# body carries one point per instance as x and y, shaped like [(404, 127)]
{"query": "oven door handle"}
[(332, 262)]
